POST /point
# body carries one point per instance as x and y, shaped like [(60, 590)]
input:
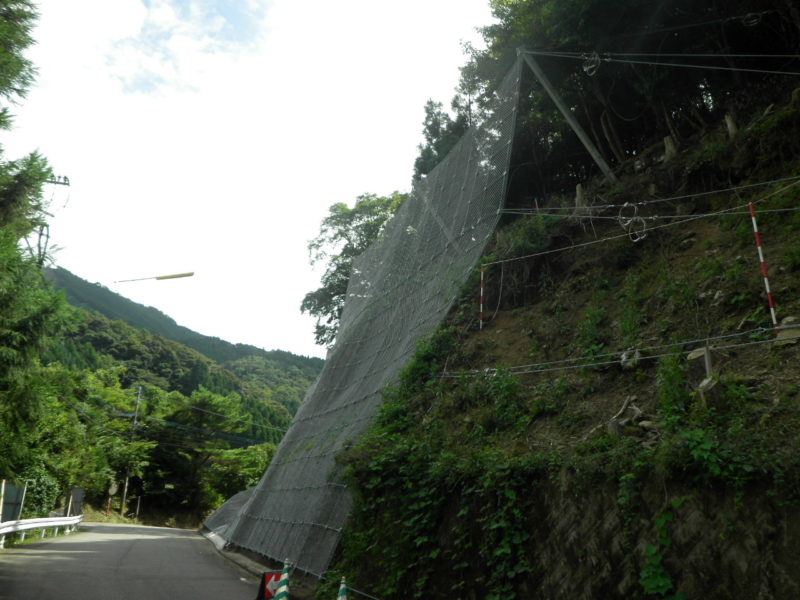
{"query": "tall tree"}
[(441, 132), (187, 441), (344, 234), (29, 310), (612, 63)]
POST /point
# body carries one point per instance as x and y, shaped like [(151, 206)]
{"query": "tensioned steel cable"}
[(664, 64), (676, 198), (574, 363), (646, 218), (616, 237)]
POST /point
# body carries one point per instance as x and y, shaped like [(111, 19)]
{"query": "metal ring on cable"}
[(625, 221), (634, 225), (639, 234), (591, 64), (751, 19)]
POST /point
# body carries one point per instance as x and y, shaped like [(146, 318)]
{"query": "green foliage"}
[(30, 313), (627, 106), (17, 18), (42, 492), (232, 471), (792, 256), (709, 153), (676, 293), (436, 504), (344, 234), (441, 133), (429, 359), (523, 237), (591, 335), (654, 577), (632, 313), (673, 393), (629, 486)]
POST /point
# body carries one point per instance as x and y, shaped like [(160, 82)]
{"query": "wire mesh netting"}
[(400, 290), (226, 514)]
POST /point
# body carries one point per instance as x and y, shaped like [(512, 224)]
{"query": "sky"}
[(212, 136)]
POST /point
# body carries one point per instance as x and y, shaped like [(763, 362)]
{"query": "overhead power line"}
[(228, 417)]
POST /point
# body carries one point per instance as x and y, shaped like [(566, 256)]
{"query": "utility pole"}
[(133, 433)]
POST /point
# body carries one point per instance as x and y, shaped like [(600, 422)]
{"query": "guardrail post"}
[(2, 500)]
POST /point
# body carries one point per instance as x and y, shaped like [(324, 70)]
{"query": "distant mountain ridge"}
[(94, 297)]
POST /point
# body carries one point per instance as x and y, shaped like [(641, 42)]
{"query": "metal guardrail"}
[(26, 524)]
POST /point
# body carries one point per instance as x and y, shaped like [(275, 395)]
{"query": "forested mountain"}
[(95, 297), (104, 400), (284, 375), (205, 430)]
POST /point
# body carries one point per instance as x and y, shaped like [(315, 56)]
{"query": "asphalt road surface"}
[(122, 562)]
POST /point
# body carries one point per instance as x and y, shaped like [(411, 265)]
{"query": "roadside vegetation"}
[(580, 444)]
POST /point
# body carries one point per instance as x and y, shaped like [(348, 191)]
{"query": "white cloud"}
[(190, 148)]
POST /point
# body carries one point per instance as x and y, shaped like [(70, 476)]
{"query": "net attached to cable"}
[(400, 290)]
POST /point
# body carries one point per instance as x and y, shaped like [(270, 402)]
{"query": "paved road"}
[(122, 562)]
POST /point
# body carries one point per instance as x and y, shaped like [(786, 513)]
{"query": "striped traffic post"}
[(342, 595), (763, 265), (282, 593)]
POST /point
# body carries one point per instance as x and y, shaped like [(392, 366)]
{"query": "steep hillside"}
[(625, 423)]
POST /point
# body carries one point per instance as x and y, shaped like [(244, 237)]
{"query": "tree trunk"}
[(611, 136), (670, 125)]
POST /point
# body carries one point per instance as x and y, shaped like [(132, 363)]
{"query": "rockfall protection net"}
[(226, 514), (400, 290)]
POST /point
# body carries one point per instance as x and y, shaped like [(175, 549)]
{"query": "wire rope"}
[(664, 64), (601, 55), (651, 217), (683, 197), (574, 363), (616, 237)]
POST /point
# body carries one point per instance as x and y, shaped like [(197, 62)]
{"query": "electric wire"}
[(216, 433), (219, 414)]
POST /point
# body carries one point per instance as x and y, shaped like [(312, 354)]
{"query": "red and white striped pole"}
[(763, 265), (480, 316)]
